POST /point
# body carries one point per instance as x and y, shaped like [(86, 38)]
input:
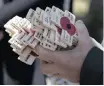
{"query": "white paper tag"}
[(10, 28), (48, 44), (41, 16), (45, 32), (30, 14), (38, 35), (32, 42), (29, 60), (38, 10), (54, 14), (47, 17), (60, 14), (70, 16)]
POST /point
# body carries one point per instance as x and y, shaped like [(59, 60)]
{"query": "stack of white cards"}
[(41, 27)]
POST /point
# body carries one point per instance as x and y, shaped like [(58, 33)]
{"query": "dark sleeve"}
[(92, 69)]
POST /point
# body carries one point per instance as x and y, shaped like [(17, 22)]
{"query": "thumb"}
[(82, 30), (44, 54)]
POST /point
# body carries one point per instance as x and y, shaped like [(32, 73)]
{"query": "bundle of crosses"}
[(52, 29)]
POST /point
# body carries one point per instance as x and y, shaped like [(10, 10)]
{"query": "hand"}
[(66, 64)]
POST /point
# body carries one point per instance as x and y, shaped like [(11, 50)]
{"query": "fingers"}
[(52, 56), (52, 69), (48, 68), (81, 29), (44, 54)]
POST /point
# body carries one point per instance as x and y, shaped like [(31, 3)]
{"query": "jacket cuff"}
[(92, 69)]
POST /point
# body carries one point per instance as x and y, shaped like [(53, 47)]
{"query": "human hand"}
[(66, 64)]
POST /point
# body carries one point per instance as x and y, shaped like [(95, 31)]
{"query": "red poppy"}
[(67, 25)]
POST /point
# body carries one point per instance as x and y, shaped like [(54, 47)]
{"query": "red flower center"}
[(67, 25)]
